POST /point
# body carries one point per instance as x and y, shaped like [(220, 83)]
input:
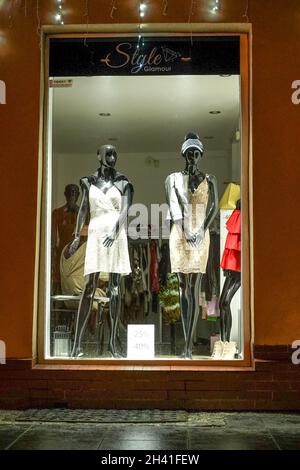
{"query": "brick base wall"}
[(273, 384)]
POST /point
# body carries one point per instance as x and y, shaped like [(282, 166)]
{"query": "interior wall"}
[(276, 143)]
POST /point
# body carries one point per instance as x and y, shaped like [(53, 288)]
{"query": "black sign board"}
[(197, 55)]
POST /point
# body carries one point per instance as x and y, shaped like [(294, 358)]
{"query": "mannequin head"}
[(71, 194), (192, 149), (107, 156)]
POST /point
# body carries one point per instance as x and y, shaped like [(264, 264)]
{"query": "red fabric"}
[(231, 258)]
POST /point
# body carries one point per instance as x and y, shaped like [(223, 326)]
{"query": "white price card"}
[(140, 342)]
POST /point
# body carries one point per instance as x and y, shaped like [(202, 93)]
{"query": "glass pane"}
[(144, 232)]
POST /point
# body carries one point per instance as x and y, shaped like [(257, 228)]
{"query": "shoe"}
[(229, 351), (217, 353)]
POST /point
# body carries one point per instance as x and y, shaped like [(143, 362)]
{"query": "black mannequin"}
[(190, 283), (103, 179), (231, 286)]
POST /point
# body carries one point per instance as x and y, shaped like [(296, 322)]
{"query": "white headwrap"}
[(195, 143)]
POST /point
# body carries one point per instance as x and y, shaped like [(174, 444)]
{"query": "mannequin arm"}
[(81, 218), (213, 210), (214, 207), (179, 209), (126, 203)]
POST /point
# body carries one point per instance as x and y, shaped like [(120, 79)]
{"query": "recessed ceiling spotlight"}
[(214, 112), (113, 139), (104, 114)]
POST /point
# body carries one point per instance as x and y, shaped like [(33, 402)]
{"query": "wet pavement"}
[(199, 431)]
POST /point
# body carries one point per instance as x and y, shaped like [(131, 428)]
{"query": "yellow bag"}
[(230, 197)]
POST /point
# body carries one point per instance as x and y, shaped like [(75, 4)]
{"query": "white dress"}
[(105, 210)]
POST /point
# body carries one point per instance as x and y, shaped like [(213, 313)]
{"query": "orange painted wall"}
[(276, 150)]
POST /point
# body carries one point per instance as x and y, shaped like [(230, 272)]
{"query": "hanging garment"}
[(63, 226), (105, 210), (230, 197), (164, 264), (185, 258), (170, 300), (154, 275), (71, 272), (231, 259)]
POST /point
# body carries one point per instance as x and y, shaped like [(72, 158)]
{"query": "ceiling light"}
[(104, 114), (113, 139), (214, 112)]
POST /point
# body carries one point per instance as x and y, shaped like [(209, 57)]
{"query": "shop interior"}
[(145, 118)]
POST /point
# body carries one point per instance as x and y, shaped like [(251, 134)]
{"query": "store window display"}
[(154, 260)]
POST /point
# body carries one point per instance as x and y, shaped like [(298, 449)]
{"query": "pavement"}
[(187, 431)]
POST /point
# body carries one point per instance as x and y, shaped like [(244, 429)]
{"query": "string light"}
[(87, 20), (113, 8), (142, 9), (216, 6), (246, 14), (59, 17), (165, 7)]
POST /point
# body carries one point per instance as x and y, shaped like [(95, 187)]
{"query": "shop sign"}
[(140, 342), (61, 83), (2, 92), (200, 55), (157, 59)]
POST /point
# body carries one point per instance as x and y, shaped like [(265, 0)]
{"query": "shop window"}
[(143, 236)]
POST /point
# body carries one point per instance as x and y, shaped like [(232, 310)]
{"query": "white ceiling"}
[(148, 114)]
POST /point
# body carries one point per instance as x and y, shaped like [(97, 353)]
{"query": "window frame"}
[(244, 31)]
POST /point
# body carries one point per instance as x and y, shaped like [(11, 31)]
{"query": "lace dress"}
[(104, 212), (185, 258)]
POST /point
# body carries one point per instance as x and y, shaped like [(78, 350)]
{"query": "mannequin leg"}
[(84, 310), (222, 305), (234, 287), (194, 293), (114, 310), (184, 301)]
